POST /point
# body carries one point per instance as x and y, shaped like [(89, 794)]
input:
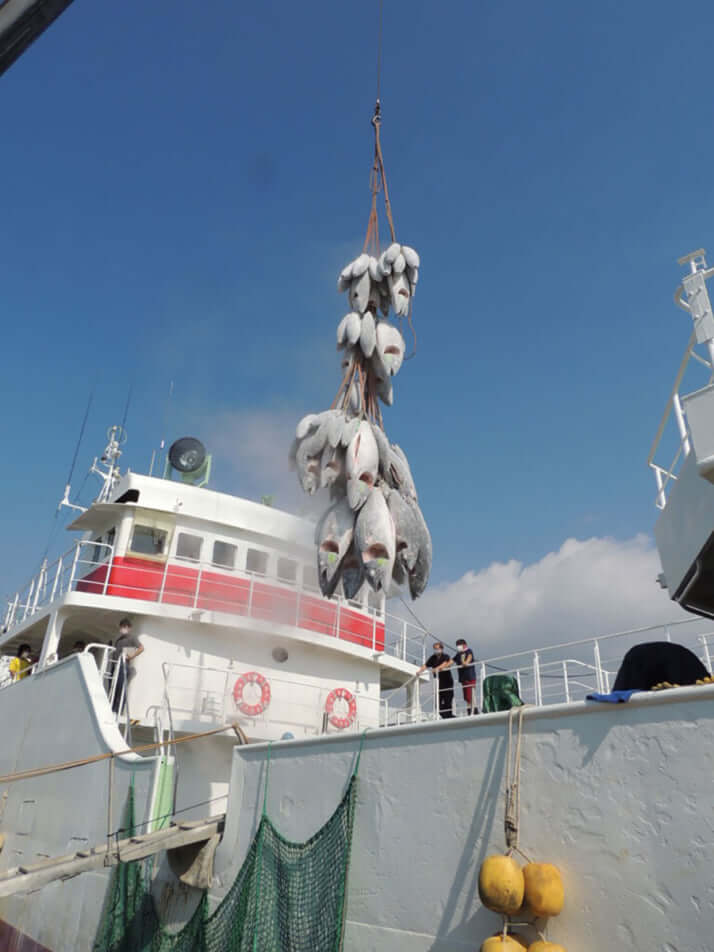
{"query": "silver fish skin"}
[(390, 347), (361, 465), (354, 399), (341, 332), (346, 273), (400, 292), (343, 284), (419, 575), (335, 420), (352, 573), (368, 335), (375, 542), (401, 473), (411, 257), (360, 265), (375, 271), (353, 327), (307, 459), (408, 532), (384, 450), (392, 252), (349, 431), (335, 538), (307, 425), (399, 264), (332, 466), (359, 292), (385, 266), (385, 391)]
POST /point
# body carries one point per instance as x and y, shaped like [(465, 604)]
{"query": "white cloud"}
[(585, 588)]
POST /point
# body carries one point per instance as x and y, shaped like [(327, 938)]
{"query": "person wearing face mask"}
[(437, 663)]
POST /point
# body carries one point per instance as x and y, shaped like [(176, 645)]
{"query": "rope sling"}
[(286, 895)]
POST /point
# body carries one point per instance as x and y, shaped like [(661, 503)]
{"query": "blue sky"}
[(181, 186)]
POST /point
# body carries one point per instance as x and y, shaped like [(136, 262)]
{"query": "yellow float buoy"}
[(501, 884), (544, 894), (542, 946), (501, 943)]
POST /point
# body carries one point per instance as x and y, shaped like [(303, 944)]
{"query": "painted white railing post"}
[(404, 641), (482, 668), (29, 599), (57, 578), (661, 500), (41, 579), (707, 658), (110, 565), (536, 680), (73, 571), (197, 592), (160, 597), (15, 603), (566, 685), (374, 629), (598, 668), (681, 425)]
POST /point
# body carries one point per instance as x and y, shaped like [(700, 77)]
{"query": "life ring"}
[(344, 695), (251, 677)]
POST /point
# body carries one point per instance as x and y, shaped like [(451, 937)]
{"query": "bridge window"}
[(309, 578), (188, 547), (287, 570), (256, 561), (224, 554), (148, 540)]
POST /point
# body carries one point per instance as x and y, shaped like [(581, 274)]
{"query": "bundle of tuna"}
[(373, 531)]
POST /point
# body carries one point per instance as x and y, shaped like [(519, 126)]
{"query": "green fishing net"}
[(287, 897)]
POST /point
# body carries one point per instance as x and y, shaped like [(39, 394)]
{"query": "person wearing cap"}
[(464, 661), (438, 664)]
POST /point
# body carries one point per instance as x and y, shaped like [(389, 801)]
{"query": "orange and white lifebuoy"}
[(338, 720), (244, 681)]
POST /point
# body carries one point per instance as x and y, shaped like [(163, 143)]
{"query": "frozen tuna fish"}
[(361, 465), (368, 335), (374, 541), (419, 575), (352, 573), (390, 347), (359, 292), (335, 538), (408, 532)]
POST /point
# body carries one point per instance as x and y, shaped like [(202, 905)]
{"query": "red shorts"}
[(468, 689)]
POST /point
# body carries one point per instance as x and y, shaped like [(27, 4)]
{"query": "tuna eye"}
[(392, 349), (403, 293), (366, 478), (376, 551), (329, 545)]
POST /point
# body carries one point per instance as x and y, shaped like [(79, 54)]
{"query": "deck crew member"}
[(436, 662), (464, 661), (20, 665), (127, 648)]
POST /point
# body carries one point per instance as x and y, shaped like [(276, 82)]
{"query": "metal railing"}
[(202, 694), (556, 674), (664, 474), (93, 568)]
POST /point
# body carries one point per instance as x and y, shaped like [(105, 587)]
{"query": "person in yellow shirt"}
[(21, 664)]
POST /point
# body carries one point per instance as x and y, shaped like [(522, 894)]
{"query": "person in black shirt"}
[(446, 682), (464, 661), (127, 648)]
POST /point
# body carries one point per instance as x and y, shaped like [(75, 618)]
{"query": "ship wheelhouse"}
[(218, 589)]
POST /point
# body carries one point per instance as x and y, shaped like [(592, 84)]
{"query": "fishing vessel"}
[(271, 771), (256, 695)]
